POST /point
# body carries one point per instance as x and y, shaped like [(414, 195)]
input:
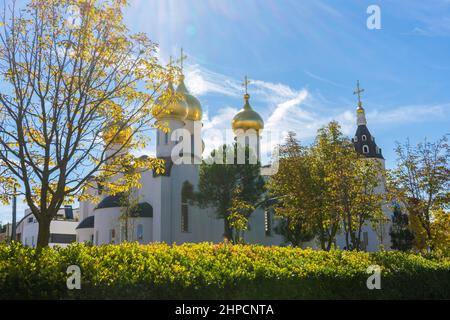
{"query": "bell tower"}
[(363, 140)]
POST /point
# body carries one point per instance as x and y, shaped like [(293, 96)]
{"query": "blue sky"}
[(304, 58)]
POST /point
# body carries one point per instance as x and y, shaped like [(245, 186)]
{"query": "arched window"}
[(364, 137), (267, 223), (140, 233), (365, 149), (186, 190), (166, 138), (355, 139)]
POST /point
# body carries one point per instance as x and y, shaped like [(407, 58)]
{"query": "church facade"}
[(163, 214)]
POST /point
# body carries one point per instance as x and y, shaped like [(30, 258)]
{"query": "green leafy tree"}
[(440, 228), (238, 215), (421, 182), (74, 84), (402, 237), (325, 188), (220, 179), (293, 190), (350, 182)]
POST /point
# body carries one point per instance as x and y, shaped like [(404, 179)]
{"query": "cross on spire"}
[(245, 84), (358, 92), (182, 58)]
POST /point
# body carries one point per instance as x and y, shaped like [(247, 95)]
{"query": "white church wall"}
[(85, 235), (257, 230), (107, 220), (151, 192), (165, 144), (87, 207), (202, 223)]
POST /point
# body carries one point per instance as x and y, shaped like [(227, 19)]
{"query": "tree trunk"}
[(228, 231), (429, 238), (126, 227), (322, 242), (44, 232)]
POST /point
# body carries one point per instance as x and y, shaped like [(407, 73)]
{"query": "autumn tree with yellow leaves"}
[(75, 83), (327, 188), (421, 183)]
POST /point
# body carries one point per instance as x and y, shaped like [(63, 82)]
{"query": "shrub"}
[(217, 271)]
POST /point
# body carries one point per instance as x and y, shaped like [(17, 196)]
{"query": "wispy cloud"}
[(327, 81), (284, 108), (431, 17), (201, 81), (410, 114)]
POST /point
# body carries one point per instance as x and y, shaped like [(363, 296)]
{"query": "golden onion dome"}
[(360, 108), (194, 107), (116, 133), (170, 105), (247, 118)]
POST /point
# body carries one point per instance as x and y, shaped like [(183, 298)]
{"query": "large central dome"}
[(247, 118), (170, 105)]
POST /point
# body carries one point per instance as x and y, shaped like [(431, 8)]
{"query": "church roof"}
[(110, 201), (142, 210), (86, 223), (364, 138)]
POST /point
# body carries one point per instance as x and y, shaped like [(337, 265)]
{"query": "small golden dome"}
[(247, 118), (170, 105), (360, 108), (194, 107), (111, 133)]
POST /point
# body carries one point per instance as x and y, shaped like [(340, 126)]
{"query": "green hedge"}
[(217, 271)]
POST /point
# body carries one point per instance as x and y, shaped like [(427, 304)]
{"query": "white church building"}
[(164, 215)]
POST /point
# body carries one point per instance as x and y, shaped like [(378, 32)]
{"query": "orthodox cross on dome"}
[(170, 66), (245, 84), (358, 92), (182, 58)]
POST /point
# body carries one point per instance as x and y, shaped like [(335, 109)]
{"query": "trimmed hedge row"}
[(217, 271)]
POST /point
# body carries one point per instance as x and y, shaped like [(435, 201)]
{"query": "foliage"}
[(221, 178), (238, 215), (401, 236), (129, 204), (327, 187), (440, 229), (421, 182), (217, 271), (77, 92), (293, 190)]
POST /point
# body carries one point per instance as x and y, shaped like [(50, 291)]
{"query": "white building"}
[(62, 228), (5, 232), (163, 215)]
